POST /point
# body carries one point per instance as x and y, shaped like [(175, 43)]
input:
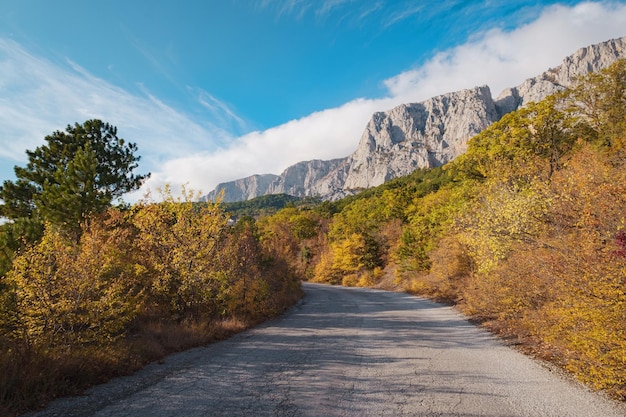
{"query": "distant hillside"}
[(265, 205)]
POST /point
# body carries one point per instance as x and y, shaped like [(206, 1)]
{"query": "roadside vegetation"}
[(525, 233), (90, 290)]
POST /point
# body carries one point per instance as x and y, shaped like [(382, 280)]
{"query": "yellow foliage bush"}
[(83, 293), (451, 266), (346, 260), (504, 214), (564, 287), (178, 242), (324, 272), (350, 280), (365, 278), (138, 284)]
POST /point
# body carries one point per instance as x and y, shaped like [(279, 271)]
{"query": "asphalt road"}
[(348, 352)]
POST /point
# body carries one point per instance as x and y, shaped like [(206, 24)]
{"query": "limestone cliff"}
[(418, 135), (583, 61), (242, 189)]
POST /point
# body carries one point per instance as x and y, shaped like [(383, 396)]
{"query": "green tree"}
[(524, 144), (430, 217), (81, 170), (600, 100), (73, 194), (13, 237)]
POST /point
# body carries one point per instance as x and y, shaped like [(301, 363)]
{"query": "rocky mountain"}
[(243, 189), (418, 135)]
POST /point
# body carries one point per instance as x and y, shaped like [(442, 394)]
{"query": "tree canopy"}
[(75, 173)]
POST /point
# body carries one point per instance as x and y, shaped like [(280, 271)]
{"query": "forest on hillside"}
[(525, 233)]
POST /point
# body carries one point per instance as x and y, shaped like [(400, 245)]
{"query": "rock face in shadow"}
[(418, 135)]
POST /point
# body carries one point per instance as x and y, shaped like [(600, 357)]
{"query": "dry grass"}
[(30, 378)]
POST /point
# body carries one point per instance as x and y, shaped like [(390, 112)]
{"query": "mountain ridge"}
[(418, 135)]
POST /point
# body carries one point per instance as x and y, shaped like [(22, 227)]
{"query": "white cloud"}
[(405, 13), (218, 109), (326, 134), (36, 94)]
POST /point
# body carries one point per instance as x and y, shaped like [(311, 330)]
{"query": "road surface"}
[(347, 352)]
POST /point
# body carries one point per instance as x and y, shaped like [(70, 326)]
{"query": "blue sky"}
[(216, 90)]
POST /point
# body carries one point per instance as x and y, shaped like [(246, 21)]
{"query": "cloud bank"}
[(177, 149)]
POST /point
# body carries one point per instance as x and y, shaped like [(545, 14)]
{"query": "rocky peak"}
[(418, 135), (242, 189)]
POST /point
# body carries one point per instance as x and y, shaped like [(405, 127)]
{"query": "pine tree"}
[(74, 194), (76, 173)]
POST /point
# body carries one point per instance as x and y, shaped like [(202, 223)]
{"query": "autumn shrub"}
[(77, 293), (588, 317), (557, 283), (350, 280), (544, 233), (451, 268), (351, 260), (390, 238), (178, 242), (324, 271), (74, 303), (364, 278), (136, 285), (363, 236), (429, 218), (503, 214), (512, 290), (620, 245), (296, 236)]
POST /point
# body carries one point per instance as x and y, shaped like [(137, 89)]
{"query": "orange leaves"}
[(295, 236), (620, 244), (558, 281)]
